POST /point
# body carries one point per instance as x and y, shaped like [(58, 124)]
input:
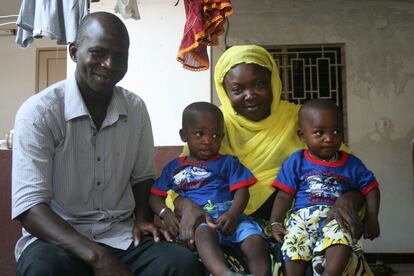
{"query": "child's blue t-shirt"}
[(316, 182), (214, 179)]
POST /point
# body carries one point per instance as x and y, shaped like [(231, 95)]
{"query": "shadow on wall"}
[(391, 156)]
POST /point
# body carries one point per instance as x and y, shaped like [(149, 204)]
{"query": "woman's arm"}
[(167, 216), (191, 216), (345, 212)]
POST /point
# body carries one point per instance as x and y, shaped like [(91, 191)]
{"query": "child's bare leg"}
[(210, 251), (294, 268), (337, 257), (254, 249)]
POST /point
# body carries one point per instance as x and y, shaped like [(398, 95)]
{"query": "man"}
[(83, 167)]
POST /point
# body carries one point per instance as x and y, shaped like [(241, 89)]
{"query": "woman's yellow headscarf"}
[(261, 146)]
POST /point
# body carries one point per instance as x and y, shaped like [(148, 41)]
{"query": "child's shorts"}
[(246, 228), (308, 235)]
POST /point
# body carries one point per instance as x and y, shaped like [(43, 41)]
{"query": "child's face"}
[(321, 130), (203, 136)]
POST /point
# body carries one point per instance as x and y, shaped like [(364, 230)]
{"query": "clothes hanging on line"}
[(204, 23), (55, 19), (128, 9)]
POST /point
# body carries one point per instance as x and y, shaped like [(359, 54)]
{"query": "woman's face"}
[(250, 91)]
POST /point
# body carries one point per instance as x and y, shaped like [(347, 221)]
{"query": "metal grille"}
[(310, 72)]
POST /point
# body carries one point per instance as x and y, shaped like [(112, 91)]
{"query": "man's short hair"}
[(115, 21)]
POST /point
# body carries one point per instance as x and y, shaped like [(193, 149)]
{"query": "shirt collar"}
[(75, 106)]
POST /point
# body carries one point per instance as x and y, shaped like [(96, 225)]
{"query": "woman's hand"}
[(345, 212), (170, 221), (191, 216)]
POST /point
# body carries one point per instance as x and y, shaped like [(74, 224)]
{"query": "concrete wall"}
[(17, 77), (378, 38)]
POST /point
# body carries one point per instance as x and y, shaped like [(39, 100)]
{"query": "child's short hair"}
[(318, 104), (190, 112)]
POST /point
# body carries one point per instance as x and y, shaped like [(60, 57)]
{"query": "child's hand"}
[(170, 221), (278, 232), (228, 221), (371, 227)]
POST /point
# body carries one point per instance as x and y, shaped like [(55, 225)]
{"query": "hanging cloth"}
[(55, 19), (204, 23), (128, 9)]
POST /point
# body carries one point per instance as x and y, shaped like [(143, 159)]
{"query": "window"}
[(310, 72)]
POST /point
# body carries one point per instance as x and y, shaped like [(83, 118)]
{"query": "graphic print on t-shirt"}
[(190, 177), (323, 187)]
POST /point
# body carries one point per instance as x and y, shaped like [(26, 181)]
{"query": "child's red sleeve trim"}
[(244, 183), (158, 192), (283, 187), (374, 184)]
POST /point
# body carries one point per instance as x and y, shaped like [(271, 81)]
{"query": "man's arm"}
[(168, 217), (191, 216), (43, 223)]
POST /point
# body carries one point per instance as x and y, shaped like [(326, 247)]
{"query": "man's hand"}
[(147, 228), (345, 212), (229, 223), (106, 264)]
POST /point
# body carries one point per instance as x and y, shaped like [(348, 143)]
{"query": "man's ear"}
[(73, 49), (301, 135), (183, 135)]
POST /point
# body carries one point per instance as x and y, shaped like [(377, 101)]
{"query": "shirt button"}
[(98, 183), (94, 134), (99, 159)]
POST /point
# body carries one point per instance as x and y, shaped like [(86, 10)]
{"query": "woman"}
[(260, 129)]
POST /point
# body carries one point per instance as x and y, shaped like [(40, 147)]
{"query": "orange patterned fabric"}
[(205, 22)]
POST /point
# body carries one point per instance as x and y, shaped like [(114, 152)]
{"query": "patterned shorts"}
[(309, 236)]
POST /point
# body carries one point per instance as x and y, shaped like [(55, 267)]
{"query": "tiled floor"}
[(403, 269)]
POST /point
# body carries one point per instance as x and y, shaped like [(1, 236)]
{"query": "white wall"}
[(378, 37), (17, 77), (154, 73)]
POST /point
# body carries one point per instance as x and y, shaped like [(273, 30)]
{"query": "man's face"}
[(101, 57)]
